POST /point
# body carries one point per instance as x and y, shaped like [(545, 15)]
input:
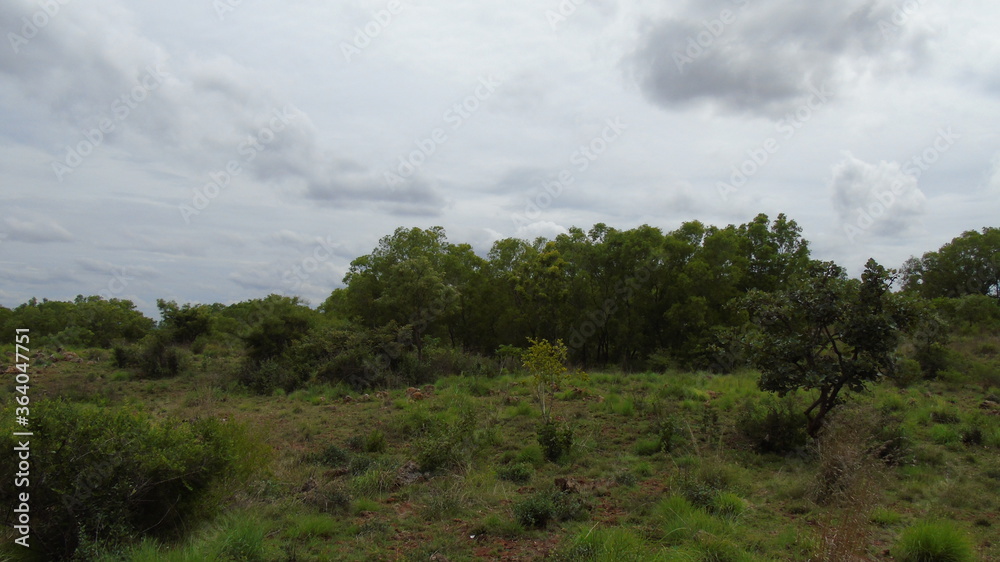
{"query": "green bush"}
[(158, 358), (264, 377), (518, 473), (933, 542), (555, 441), (908, 372), (374, 442), (532, 454), (450, 446), (111, 475), (537, 510)]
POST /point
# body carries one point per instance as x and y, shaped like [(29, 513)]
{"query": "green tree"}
[(273, 324), (184, 323), (968, 265), (827, 333)]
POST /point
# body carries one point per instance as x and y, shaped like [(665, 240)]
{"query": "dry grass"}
[(849, 482)]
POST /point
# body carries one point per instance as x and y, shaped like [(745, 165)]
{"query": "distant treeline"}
[(637, 299)]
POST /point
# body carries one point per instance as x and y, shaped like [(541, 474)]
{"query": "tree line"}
[(634, 299)]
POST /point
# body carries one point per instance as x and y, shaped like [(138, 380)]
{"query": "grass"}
[(932, 541), (341, 484)]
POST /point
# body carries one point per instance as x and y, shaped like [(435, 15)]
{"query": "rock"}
[(408, 473)]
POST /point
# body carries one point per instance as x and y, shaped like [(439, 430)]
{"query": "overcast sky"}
[(216, 151)]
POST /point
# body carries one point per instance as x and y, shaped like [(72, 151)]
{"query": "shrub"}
[(646, 447), (125, 355), (449, 446), (776, 426), (555, 441), (908, 372), (933, 542), (532, 454), (331, 456), (374, 442), (263, 377), (518, 473), (113, 474), (535, 511)]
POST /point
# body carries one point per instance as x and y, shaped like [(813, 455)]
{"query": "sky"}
[(222, 150)]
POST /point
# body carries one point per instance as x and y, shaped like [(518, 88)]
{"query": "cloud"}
[(38, 231), (879, 198), (764, 57), (544, 229), (128, 271), (201, 113)]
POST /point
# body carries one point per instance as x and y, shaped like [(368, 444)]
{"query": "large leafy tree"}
[(968, 265), (827, 333)]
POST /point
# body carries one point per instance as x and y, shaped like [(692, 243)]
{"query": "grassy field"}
[(674, 466)]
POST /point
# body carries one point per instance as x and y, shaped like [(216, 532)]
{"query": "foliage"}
[(827, 333), (112, 475), (968, 265)]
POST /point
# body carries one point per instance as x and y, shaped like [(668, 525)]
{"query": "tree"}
[(827, 333), (546, 363), (968, 265), (184, 323)]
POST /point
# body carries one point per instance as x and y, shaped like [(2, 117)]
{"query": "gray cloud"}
[(764, 57), (202, 113), (37, 231), (879, 198)]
